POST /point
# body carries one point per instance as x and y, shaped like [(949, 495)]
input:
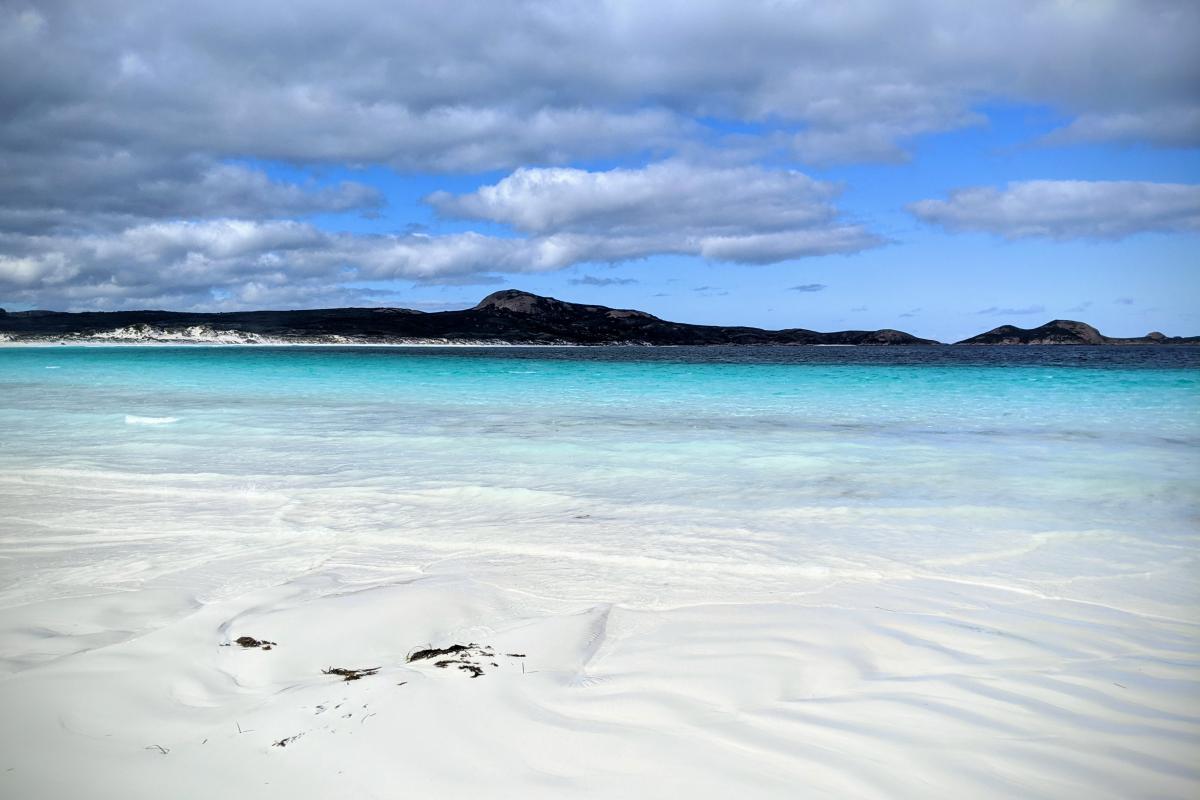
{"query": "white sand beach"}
[(603, 674)]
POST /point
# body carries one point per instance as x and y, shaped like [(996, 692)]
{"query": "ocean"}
[(655, 476)]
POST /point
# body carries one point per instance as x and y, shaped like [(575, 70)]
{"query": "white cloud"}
[(668, 196), (744, 214), (234, 263), (1172, 126), (562, 217), (1067, 209)]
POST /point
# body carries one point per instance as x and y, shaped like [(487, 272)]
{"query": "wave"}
[(133, 419)]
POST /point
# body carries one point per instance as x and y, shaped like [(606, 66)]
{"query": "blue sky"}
[(902, 164), (926, 280)]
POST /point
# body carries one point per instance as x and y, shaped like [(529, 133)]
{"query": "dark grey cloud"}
[(808, 287), (497, 85), (73, 193), (1067, 209)]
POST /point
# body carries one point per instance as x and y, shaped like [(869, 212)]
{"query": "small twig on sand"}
[(349, 674), (159, 748)]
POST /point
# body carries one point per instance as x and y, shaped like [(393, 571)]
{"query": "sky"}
[(930, 165)]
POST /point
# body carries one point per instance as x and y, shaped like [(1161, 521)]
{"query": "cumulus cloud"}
[(671, 195), (745, 214), (1177, 126), (241, 263), (559, 217), (1067, 209)]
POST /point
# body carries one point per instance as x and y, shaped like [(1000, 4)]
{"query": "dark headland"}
[(509, 316), (1065, 331), (505, 317)]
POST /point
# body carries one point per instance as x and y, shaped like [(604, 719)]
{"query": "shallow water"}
[(653, 477)]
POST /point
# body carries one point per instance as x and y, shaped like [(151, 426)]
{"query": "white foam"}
[(134, 419), (195, 333)]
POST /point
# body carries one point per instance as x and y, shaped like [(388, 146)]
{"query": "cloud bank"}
[(1067, 209), (561, 217), (127, 124)]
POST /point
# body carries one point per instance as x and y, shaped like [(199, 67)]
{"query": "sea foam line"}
[(133, 419)]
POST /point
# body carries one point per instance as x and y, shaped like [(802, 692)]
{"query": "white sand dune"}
[(895, 690)]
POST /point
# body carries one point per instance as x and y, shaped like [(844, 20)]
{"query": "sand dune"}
[(891, 690)]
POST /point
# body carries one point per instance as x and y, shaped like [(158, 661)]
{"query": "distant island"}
[(1065, 331), (505, 317)]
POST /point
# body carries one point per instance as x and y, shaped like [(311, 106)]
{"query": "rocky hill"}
[(509, 316), (1066, 331)]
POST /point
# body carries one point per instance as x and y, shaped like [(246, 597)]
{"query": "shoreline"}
[(11, 344)]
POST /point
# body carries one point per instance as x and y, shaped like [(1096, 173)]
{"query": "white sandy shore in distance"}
[(272, 343)]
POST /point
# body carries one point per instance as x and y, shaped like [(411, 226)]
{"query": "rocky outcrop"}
[(1066, 331)]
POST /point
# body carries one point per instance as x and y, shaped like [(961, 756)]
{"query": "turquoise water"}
[(647, 476)]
